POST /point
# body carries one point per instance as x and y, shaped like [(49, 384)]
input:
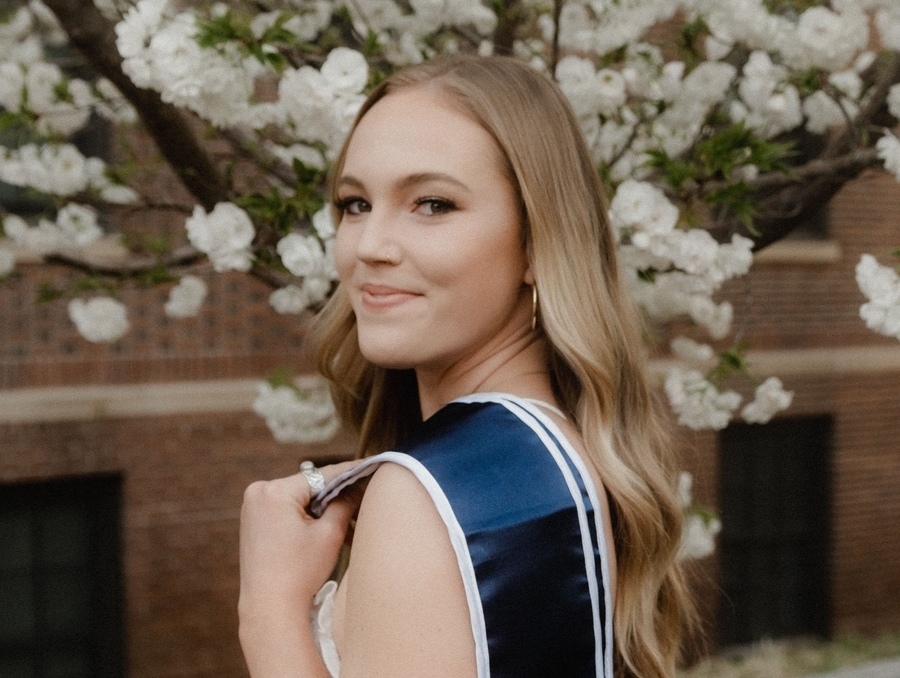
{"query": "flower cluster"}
[(699, 401), (300, 412), (881, 286), (186, 298), (673, 271), (160, 51), (768, 399), (224, 235), (320, 105), (101, 319), (700, 526), (75, 226), (311, 258), (60, 170)]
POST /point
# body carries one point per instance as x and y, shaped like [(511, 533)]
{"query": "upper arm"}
[(405, 611)]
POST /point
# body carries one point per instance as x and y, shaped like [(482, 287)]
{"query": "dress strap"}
[(545, 405)]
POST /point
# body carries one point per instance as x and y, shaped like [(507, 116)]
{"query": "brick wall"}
[(183, 478), (236, 334), (799, 306), (184, 474)]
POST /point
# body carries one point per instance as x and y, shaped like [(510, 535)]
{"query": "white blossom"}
[(769, 399), (716, 318), (186, 298), (317, 288), (717, 48), (893, 101), (881, 286), (888, 22), (323, 223), (697, 402), (685, 491), (224, 235), (691, 351), (889, 151), (830, 40), (41, 80), (118, 194), (642, 208), (822, 112), (79, 224), (55, 169), (302, 413), (289, 300), (345, 70), (12, 86), (698, 537), (302, 255), (7, 261), (43, 239), (99, 320)]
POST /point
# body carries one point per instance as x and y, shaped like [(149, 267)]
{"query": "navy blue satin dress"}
[(525, 522)]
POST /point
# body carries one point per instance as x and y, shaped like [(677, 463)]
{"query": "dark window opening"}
[(775, 503), (60, 579)]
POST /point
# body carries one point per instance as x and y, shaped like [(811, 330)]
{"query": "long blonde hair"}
[(596, 353)]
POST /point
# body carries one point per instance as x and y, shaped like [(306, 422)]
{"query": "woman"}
[(524, 522)]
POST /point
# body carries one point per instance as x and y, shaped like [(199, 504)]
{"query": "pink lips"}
[(382, 297)]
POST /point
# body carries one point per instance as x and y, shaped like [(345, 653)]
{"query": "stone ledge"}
[(90, 402), (800, 252)]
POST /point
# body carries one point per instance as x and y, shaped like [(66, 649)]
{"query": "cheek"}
[(344, 248)]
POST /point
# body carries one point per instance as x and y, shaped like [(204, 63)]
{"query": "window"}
[(60, 582), (775, 496)]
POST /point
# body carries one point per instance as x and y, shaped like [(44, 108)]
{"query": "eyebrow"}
[(409, 180)]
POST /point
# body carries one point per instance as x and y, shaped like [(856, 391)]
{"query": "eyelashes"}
[(436, 206), (351, 205), (428, 206)]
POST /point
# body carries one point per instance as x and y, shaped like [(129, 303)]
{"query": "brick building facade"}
[(154, 436)]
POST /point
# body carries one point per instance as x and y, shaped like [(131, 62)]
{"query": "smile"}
[(382, 298)]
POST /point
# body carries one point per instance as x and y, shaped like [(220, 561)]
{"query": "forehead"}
[(421, 126)]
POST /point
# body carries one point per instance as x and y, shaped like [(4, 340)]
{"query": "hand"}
[(285, 554)]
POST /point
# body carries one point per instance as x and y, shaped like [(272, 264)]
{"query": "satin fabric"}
[(522, 514)]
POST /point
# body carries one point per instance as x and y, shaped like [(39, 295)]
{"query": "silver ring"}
[(313, 476)]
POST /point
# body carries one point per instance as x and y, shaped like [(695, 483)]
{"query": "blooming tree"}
[(694, 111)]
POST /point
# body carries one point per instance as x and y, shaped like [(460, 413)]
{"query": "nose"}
[(377, 239)]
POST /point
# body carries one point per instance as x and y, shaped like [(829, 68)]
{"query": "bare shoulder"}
[(405, 611)]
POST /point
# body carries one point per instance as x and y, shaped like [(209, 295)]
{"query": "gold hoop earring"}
[(534, 307)]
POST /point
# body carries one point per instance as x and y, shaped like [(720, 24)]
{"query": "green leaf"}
[(691, 49), (283, 376), (61, 91), (47, 293), (738, 199), (158, 275), (731, 361), (647, 275)]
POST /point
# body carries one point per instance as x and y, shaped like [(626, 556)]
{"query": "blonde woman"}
[(519, 516)]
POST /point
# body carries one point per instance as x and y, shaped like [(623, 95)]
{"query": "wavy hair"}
[(597, 359)]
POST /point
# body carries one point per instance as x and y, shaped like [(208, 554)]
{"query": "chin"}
[(386, 357)]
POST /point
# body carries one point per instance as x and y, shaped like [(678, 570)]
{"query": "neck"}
[(518, 367)]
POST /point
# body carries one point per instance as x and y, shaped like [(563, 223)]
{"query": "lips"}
[(384, 297)]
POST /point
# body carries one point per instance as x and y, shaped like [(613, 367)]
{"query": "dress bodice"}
[(524, 519)]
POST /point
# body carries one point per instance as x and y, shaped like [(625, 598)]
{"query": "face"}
[(429, 246)]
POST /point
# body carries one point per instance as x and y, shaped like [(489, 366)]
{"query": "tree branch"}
[(119, 268), (787, 199), (95, 38), (508, 19), (875, 105)]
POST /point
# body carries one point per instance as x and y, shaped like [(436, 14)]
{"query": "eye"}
[(434, 206), (352, 205)]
